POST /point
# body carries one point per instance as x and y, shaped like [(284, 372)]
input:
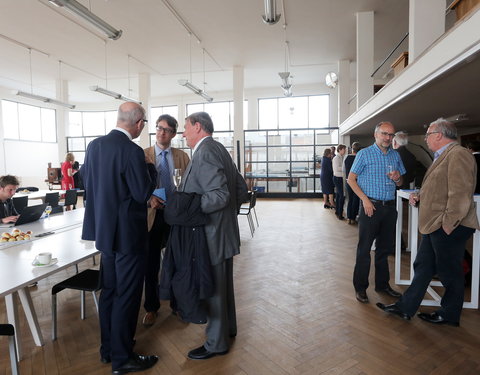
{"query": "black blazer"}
[(118, 183)]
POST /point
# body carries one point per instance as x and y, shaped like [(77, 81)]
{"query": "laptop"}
[(29, 214)]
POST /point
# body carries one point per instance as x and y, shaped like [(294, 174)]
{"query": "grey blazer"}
[(212, 173)]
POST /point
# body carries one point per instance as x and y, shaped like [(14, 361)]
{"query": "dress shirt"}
[(7, 209), (439, 152), (370, 166), (198, 143), (337, 165)]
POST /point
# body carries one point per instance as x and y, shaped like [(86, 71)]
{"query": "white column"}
[(144, 95), (343, 90), (3, 164), (364, 57), (238, 98), (62, 120), (426, 22)]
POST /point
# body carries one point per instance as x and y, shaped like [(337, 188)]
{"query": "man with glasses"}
[(166, 159), (446, 220), (375, 173), (119, 181), (8, 187)]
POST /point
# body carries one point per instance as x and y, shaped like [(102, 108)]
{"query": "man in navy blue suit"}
[(119, 181)]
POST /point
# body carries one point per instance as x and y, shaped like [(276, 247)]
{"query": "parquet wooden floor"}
[(297, 314)]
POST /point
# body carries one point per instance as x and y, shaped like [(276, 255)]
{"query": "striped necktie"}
[(165, 175)]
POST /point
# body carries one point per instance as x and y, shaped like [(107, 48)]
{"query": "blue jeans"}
[(339, 196)]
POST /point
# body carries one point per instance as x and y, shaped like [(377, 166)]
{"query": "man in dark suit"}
[(119, 183), (399, 143), (213, 174), (166, 159), (446, 220)]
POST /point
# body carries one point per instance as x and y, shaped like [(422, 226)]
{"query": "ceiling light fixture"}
[(78, 9), (286, 84), (189, 85), (271, 17), (44, 99), (113, 94), (458, 118), (195, 89)]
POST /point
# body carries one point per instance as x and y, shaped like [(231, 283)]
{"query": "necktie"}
[(165, 175)]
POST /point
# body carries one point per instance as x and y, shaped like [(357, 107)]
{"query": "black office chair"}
[(70, 198), (9, 330), (56, 210), (52, 199), (247, 210), (20, 203), (85, 281)]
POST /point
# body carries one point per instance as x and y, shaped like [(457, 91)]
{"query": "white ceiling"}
[(320, 33)]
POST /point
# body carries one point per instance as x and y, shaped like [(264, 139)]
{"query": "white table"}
[(17, 272), (413, 246)]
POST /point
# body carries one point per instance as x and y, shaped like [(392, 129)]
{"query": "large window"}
[(155, 113), (294, 112), (221, 114), (84, 127), (28, 123)]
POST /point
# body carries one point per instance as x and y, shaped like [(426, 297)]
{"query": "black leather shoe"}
[(361, 296), (136, 363), (105, 360), (202, 353), (436, 319), (393, 309), (389, 291)]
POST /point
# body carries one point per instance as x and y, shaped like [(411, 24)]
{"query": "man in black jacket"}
[(8, 187), (409, 161)]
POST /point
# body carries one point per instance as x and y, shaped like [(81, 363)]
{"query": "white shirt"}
[(337, 165), (124, 132)]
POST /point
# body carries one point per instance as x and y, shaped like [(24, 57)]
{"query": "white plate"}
[(52, 262)]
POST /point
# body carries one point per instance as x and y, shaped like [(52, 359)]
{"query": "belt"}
[(383, 203)]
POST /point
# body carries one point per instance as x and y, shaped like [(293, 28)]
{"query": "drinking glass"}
[(177, 177), (389, 174)]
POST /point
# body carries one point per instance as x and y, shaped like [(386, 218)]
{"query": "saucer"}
[(52, 262)]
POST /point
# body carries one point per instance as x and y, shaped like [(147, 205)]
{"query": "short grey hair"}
[(401, 138), (132, 116), (445, 127), (380, 124), (204, 119)]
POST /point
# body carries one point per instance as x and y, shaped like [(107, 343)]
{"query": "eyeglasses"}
[(386, 134), (143, 119), (165, 130), (427, 134)]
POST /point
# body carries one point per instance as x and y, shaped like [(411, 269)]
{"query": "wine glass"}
[(177, 177), (389, 174)]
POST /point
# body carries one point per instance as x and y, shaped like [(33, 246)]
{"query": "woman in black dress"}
[(326, 179)]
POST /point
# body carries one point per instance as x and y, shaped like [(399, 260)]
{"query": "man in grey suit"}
[(213, 174)]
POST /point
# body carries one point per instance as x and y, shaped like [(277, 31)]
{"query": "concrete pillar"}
[(365, 34), (426, 22), (238, 102), (144, 95), (343, 90), (61, 87)]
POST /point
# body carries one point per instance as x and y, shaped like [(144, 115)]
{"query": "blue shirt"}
[(371, 166)]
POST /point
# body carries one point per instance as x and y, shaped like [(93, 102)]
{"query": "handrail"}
[(390, 54)]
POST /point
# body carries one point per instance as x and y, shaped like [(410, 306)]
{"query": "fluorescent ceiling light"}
[(195, 89), (78, 9), (44, 99), (113, 94), (271, 17)]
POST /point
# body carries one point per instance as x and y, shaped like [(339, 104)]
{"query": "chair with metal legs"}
[(9, 330), (85, 281)]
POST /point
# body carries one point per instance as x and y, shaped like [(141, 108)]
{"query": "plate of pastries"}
[(16, 235)]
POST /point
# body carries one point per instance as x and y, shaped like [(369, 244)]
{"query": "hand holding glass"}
[(389, 174)]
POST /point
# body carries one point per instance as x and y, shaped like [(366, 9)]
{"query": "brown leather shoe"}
[(149, 318)]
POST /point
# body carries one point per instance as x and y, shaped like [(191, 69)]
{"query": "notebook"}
[(29, 214)]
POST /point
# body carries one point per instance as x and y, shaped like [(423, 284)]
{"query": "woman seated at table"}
[(68, 172)]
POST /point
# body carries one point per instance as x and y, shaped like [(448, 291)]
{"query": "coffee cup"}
[(43, 258)]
